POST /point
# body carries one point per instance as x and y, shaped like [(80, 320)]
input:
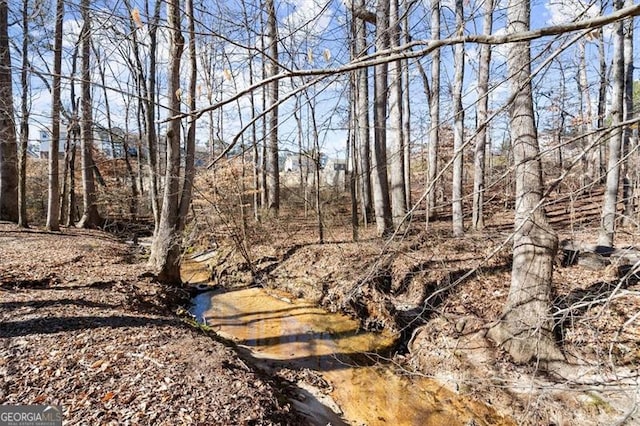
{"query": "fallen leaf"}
[(108, 396)]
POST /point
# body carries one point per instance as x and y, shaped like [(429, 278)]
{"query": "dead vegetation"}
[(440, 295), (84, 327)]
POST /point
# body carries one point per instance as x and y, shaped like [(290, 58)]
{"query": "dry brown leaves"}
[(80, 328)]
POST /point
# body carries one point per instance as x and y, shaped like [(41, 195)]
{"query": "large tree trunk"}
[(434, 113), (273, 171), (525, 329), (362, 117), (458, 128), (8, 145), (380, 183), (394, 134), (608, 216), (477, 215), (166, 247), (90, 217)]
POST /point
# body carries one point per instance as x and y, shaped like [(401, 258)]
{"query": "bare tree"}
[(602, 101), (380, 183), (434, 111), (273, 171), (90, 217), (362, 116), (458, 127), (525, 328), (481, 139), (406, 108), (166, 247), (190, 148), (590, 159), (395, 127), (627, 178), (608, 216), (8, 145), (24, 119)]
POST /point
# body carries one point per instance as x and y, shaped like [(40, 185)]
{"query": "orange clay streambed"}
[(363, 389)]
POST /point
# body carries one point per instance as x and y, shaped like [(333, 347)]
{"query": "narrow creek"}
[(294, 334)]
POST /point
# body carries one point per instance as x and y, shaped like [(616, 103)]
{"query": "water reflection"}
[(300, 335)]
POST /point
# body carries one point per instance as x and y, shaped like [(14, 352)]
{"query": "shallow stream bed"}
[(363, 388)]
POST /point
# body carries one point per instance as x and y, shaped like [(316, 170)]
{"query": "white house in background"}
[(332, 170), (101, 142), (45, 143)]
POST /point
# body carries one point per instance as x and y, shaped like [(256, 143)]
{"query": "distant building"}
[(111, 147), (45, 143)]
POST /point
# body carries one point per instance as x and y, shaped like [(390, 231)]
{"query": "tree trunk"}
[(152, 138), (8, 145), (477, 215), (608, 216), (525, 329), (406, 110), (90, 217), (458, 128), (380, 183), (434, 113), (590, 157), (602, 103), (190, 148), (24, 120), (395, 127), (627, 179), (71, 215), (273, 172), (166, 247), (362, 117)]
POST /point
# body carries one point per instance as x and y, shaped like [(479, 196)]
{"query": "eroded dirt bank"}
[(83, 327), (439, 295)]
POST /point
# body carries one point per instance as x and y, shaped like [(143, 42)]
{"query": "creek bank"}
[(353, 384), (438, 295)]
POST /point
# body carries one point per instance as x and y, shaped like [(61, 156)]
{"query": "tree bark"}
[(602, 103), (458, 128), (362, 118), (190, 148), (608, 216), (273, 171), (406, 110), (166, 246), (525, 329), (8, 145), (90, 217), (380, 183), (24, 120), (477, 215), (590, 158), (152, 137), (627, 177), (395, 126), (434, 113)]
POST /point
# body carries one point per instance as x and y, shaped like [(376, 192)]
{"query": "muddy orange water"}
[(299, 335)]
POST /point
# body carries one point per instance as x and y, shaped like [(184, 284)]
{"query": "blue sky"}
[(312, 34)]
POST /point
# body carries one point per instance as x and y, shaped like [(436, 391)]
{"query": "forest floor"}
[(441, 295), (83, 326)]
